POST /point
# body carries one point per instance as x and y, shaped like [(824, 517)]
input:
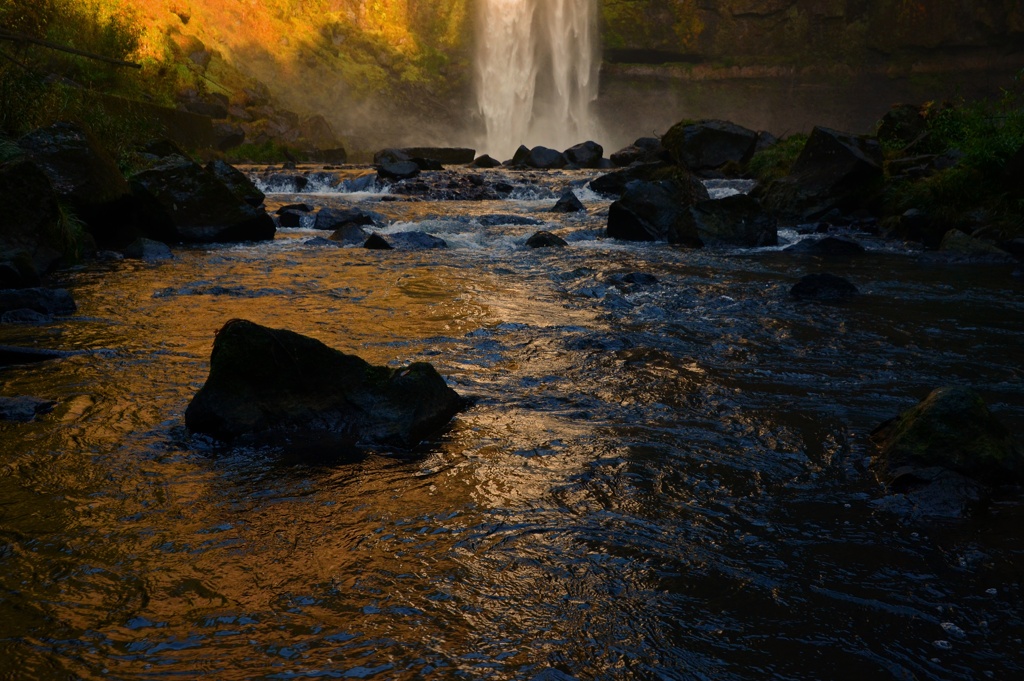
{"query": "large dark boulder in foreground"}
[(276, 382), (835, 171), (85, 177), (709, 145), (736, 220), (952, 428), (185, 202), (653, 211)]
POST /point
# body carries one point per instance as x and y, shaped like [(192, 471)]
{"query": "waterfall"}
[(536, 72)]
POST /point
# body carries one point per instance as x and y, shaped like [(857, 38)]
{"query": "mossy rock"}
[(952, 428)]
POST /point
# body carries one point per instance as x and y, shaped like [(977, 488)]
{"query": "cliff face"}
[(787, 65), (801, 31)]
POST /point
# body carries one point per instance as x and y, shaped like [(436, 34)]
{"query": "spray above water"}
[(536, 72)]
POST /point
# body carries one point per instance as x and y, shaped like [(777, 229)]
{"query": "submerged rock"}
[(568, 203), (823, 287), (267, 381), (333, 219), (544, 239), (832, 246), (410, 241), (24, 409), (148, 249), (52, 301)]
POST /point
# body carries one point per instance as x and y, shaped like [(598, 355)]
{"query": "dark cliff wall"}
[(802, 31), (786, 65)]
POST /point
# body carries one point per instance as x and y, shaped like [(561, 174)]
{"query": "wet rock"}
[(635, 279), (709, 145), (736, 220), (568, 203), (29, 216), (286, 183), (444, 155), (24, 317), (968, 248), (267, 381), (427, 163), (333, 219), (54, 301), (952, 429), (85, 177), (290, 218), (544, 239), (385, 156), (377, 243), (644, 150), (148, 249), (185, 202), (351, 234), (652, 211), (297, 207), (406, 241), (544, 158), (24, 409), (614, 183), (400, 170), (585, 155), (320, 242), (237, 181), (830, 246), (486, 161), (823, 287), (496, 219), (835, 171)]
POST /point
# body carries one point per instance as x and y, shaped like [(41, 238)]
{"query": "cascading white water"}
[(536, 72)]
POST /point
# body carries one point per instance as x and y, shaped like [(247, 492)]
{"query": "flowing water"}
[(536, 72), (660, 477)]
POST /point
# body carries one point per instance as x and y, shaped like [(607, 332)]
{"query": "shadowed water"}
[(657, 479)]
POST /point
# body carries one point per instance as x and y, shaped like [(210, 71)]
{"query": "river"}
[(659, 477)]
